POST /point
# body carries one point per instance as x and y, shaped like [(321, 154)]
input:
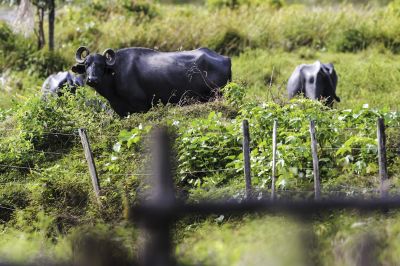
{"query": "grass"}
[(56, 205), (368, 77), (244, 239), (189, 27)]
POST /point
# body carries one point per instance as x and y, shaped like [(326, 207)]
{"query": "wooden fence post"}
[(274, 133), (91, 164), (158, 247), (246, 157), (382, 157), (317, 184)]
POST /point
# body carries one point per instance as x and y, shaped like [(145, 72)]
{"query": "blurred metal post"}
[(246, 157), (317, 184), (274, 132), (382, 157), (91, 164), (158, 249)]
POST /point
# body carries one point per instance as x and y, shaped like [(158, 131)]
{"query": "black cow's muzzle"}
[(92, 81)]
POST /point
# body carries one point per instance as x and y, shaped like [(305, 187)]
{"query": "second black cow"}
[(315, 81), (134, 79)]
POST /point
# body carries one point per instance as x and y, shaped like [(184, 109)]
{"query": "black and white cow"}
[(55, 82), (316, 81)]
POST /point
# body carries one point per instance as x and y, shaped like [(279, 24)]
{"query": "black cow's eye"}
[(311, 80)]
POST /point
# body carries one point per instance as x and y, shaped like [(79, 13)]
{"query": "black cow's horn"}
[(79, 52), (109, 54)]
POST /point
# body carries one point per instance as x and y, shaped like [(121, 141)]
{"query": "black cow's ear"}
[(78, 68), (330, 68)]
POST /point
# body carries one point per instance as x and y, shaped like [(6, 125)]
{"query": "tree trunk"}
[(52, 14), (24, 19), (41, 37)]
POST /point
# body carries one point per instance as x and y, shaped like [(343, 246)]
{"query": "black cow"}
[(55, 82), (315, 81), (133, 79)]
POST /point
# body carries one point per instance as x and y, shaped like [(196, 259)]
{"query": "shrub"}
[(15, 50), (7, 37), (353, 40), (44, 63), (47, 125), (141, 7), (222, 3), (209, 149), (101, 245), (18, 53), (230, 42), (234, 94), (236, 3), (64, 193), (207, 138), (13, 196), (304, 30), (394, 7)]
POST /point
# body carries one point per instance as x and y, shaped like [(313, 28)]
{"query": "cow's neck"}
[(105, 87)]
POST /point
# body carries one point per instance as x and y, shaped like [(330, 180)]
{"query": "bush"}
[(18, 53), (353, 40), (236, 3), (234, 94), (102, 245), (394, 7), (7, 37), (44, 63), (141, 7), (230, 42), (209, 149), (15, 50), (48, 125), (13, 196)]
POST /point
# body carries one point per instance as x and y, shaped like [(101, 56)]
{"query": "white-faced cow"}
[(55, 82), (315, 81), (133, 79)]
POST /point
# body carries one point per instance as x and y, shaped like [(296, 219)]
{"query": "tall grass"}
[(267, 43), (371, 76), (342, 28)]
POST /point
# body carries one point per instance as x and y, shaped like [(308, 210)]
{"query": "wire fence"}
[(77, 139), (157, 215)]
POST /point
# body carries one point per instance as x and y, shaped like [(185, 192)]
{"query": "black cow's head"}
[(95, 66)]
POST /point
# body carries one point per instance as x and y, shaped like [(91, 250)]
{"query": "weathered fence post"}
[(91, 164), (317, 184), (246, 157), (382, 157), (157, 222), (274, 132)]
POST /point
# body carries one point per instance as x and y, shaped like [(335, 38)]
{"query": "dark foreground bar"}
[(268, 206)]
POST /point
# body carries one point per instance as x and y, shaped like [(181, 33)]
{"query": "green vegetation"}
[(47, 206)]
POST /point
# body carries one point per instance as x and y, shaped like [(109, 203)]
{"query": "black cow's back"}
[(171, 76)]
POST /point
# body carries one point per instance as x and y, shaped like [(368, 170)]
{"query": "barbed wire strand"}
[(7, 208), (45, 132)]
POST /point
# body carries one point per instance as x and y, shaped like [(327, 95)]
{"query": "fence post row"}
[(317, 184), (246, 157), (382, 157), (274, 133), (91, 164), (162, 209)]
